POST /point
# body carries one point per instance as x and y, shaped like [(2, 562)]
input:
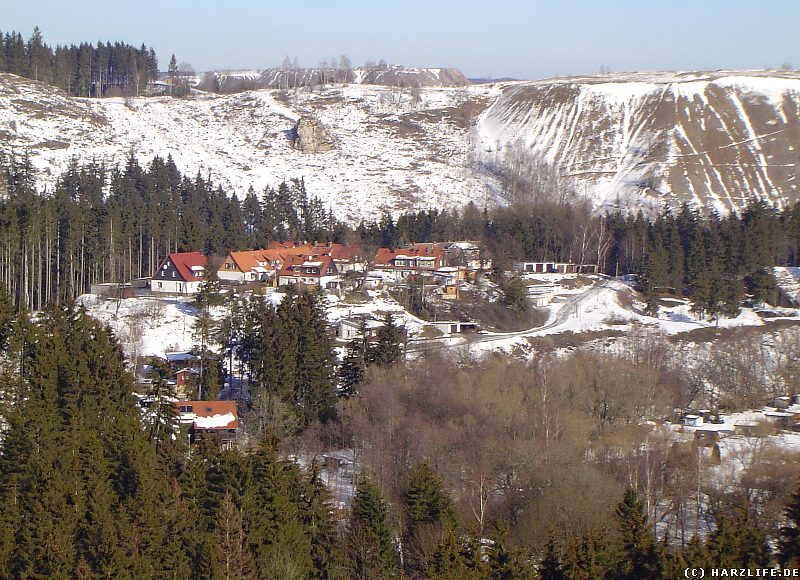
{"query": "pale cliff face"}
[(634, 140)]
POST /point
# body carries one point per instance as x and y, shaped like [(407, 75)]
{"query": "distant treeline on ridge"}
[(104, 70)]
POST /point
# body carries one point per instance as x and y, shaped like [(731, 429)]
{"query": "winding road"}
[(571, 308)]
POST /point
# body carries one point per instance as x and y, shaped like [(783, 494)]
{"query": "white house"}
[(180, 273)]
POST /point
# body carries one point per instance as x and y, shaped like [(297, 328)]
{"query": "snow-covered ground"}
[(635, 140), (789, 281), (609, 305), (389, 156), (151, 326)]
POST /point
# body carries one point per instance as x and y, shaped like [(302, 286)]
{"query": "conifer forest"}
[(534, 389)]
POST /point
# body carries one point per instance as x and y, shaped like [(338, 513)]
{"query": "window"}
[(173, 273)]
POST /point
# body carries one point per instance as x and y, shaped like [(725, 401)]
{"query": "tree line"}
[(83, 70), (117, 223), (713, 258), (113, 224)]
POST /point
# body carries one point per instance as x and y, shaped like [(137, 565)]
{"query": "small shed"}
[(747, 427), (780, 419), (781, 402), (456, 327), (692, 420)]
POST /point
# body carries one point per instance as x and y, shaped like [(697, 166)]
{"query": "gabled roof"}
[(385, 256), (213, 414), (250, 259), (339, 252), (184, 261), (292, 266)]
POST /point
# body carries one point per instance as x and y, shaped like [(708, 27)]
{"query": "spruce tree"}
[(371, 550), (315, 386), (447, 562), (427, 499), (316, 512), (351, 371), (639, 556), (160, 418), (272, 515), (387, 349), (550, 565), (738, 542), (587, 558), (505, 562), (789, 542)]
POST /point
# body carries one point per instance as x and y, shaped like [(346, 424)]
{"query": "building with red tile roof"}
[(252, 266), (415, 259), (295, 263), (218, 420), (180, 273)]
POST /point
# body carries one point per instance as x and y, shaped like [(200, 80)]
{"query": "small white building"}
[(455, 326), (350, 328), (693, 421)]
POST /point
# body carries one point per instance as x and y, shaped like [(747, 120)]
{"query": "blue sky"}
[(532, 39)]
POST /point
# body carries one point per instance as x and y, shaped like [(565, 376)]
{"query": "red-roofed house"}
[(317, 270), (415, 259), (215, 419), (252, 266), (180, 273)]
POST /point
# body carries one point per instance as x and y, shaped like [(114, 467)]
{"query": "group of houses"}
[(325, 265), (198, 421), (280, 264)]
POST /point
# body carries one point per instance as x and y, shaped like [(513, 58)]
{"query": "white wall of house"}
[(174, 286), (230, 275)]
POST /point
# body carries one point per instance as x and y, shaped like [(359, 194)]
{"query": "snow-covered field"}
[(608, 306), (626, 140), (154, 326)]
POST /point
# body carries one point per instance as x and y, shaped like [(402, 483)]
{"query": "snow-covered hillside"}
[(394, 152), (715, 139), (626, 140)]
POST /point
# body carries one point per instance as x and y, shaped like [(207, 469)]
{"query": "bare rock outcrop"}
[(310, 136)]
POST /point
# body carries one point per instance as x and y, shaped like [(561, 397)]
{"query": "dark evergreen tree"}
[(738, 542), (447, 562), (550, 565), (789, 543), (427, 499), (371, 550), (638, 550), (351, 371), (505, 562), (387, 348), (587, 558)]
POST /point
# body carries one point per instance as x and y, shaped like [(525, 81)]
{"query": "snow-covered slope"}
[(637, 139), (633, 140), (396, 151)]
